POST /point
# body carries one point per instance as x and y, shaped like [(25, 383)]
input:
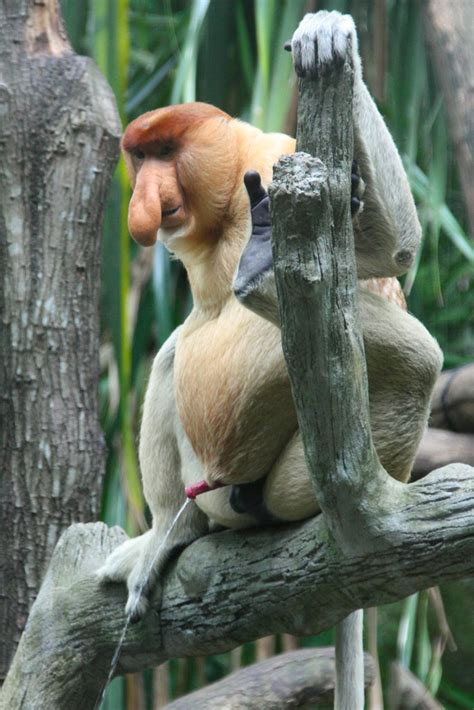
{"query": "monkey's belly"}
[(233, 395)]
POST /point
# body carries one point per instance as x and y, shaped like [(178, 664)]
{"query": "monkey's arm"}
[(254, 281), (140, 561), (387, 232)]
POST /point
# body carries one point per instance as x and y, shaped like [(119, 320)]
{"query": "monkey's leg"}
[(403, 363), (140, 561), (387, 232)]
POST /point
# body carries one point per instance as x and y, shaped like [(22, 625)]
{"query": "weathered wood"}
[(222, 591), (407, 692), (452, 406), (349, 690), (315, 274), (296, 679), (59, 136), (439, 447), (448, 29)]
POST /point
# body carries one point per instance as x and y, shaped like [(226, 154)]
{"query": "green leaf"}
[(184, 88)]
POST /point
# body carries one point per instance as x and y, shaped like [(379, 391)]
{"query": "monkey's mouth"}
[(173, 217)]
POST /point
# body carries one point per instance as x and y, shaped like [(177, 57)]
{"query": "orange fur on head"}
[(167, 125)]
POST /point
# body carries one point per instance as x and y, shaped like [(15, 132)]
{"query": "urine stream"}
[(118, 648)]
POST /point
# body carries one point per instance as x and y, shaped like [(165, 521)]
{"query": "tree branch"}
[(439, 447), (293, 679), (452, 405), (222, 591), (315, 273)]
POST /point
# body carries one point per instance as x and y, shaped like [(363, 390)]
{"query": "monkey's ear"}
[(287, 45)]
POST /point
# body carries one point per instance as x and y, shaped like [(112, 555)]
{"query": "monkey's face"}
[(182, 166), (157, 200)]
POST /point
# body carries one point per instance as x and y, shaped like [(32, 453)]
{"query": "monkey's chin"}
[(171, 236)]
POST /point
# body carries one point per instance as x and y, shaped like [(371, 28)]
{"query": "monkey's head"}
[(179, 160), (186, 165)]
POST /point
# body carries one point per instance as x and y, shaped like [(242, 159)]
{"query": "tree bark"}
[(59, 134), (296, 679), (448, 29), (221, 591)]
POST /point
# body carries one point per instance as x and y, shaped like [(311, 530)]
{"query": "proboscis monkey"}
[(218, 405)]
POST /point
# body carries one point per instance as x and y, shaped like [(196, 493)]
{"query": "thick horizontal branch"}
[(293, 679), (440, 447), (232, 587)]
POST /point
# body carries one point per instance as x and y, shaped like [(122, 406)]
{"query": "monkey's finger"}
[(356, 206), (287, 45), (255, 189)]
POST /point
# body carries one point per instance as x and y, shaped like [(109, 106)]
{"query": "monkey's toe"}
[(357, 190), (137, 606)]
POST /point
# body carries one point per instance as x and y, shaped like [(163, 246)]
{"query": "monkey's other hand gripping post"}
[(315, 275)]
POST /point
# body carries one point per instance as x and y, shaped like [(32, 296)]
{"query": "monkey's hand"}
[(256, 260), (254, 284), (322, 39)]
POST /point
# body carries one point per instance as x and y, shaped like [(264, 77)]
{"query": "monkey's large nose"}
[(144, 212)]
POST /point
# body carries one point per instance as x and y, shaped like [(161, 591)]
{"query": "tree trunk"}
[(448, 28), (59, 133)]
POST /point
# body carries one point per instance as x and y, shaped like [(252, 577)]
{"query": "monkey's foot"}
[(322, 39), (138, 562), (120, 563)]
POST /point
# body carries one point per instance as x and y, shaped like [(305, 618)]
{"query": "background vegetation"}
[(229, 52)]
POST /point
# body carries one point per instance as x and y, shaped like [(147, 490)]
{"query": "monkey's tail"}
[(350, 663)]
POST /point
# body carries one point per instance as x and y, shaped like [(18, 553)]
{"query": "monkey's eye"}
[(165, 150), (138, 154)]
